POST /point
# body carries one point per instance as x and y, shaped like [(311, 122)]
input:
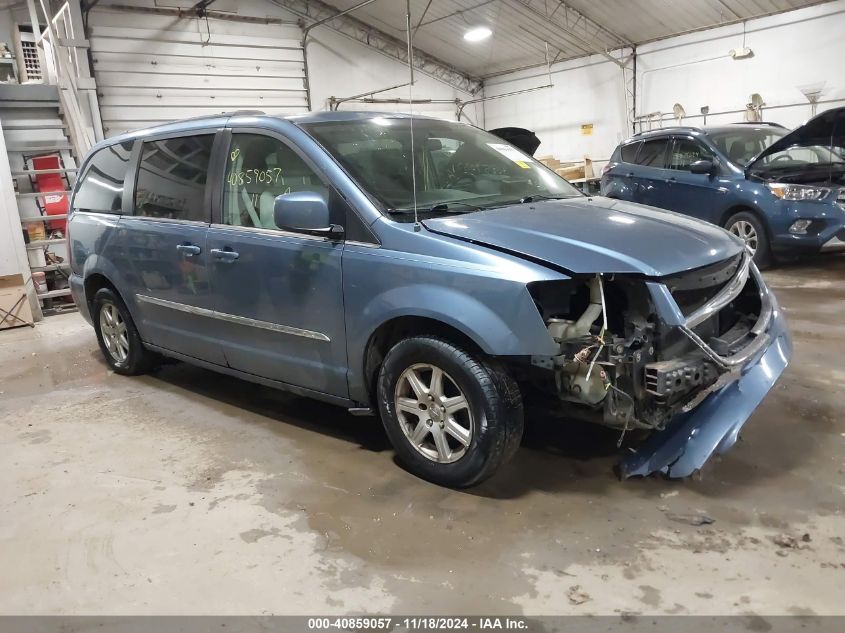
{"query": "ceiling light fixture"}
[(477, 34)]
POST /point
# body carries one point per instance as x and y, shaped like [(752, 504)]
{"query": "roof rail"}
[(673, 128), (218, 115), (769, 123)]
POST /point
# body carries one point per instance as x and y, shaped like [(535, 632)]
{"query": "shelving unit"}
[(34, 127)]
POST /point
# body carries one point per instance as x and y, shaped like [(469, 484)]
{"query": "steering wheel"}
[(782, 157), (458, 178)]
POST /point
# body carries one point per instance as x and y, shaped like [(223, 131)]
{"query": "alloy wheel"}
[(745, 231), (434, 413), (114, 332)]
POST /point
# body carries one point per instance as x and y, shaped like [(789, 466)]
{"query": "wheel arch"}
[(394, 330), (100, 272), (746, 208), (95, 282)]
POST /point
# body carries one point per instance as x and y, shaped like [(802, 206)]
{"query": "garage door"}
[(164, 68)]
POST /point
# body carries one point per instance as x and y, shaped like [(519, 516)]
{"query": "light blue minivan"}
[(427, 272)]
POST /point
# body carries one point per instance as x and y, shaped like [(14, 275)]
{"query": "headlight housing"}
[(797, 192)]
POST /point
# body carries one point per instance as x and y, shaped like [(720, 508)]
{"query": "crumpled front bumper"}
[(713, 426)]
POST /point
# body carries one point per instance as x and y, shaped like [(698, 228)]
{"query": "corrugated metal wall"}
[(155, 68)]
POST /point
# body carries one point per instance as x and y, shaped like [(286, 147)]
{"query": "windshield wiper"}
[(441, 207), (534, 197)]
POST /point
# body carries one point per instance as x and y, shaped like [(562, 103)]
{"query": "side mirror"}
[(305, 212), (704, 166)]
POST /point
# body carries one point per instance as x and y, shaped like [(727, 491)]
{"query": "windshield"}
[(802, 157), (458, 167), (744, 143)]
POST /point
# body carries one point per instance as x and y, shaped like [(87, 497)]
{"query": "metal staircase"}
[(34, 126), (59, 118)]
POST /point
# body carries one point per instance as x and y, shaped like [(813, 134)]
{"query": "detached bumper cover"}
[(712, 427)]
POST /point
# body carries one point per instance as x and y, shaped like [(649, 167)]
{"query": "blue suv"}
[(424, 271), (779, 191)]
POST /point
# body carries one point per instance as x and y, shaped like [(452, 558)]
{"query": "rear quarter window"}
[(100, 188)]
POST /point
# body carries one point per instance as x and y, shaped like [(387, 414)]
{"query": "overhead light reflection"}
[(477, 34)]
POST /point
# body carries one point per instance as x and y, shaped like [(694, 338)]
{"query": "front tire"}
[(117, 335), (453, 417), (750, 229)]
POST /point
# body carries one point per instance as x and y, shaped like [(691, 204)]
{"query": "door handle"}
[(224, 254), (189, 249)]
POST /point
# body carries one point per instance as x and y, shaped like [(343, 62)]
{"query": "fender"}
[(493, 331)]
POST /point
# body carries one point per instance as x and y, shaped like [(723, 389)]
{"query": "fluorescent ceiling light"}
[(478, 33)]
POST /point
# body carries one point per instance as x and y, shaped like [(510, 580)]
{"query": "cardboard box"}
[(11, 291), (575, 169)]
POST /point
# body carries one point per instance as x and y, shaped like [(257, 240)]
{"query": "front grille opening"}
[(746, 307), (694, 288)]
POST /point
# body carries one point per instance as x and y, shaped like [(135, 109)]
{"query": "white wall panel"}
[(340, 67), (585, 91), (151, 69), (791, 50)]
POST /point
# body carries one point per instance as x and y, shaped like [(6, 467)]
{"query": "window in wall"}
[(172, 176), (653, 152), (685, 152), (258, 169), (101, 188)]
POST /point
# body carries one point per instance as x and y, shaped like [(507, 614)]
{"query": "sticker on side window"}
[(510, 153)]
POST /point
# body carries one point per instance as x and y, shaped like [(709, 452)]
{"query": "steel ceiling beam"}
[(581, 29), (318, 11)]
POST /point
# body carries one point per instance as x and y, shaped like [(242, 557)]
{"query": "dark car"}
[(779, 191)]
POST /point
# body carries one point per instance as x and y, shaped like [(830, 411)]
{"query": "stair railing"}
[(61, 47)]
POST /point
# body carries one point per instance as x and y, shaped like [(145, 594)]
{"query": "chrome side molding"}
[(233, 318)]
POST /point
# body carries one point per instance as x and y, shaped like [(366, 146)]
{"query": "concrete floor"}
[(191, 492)]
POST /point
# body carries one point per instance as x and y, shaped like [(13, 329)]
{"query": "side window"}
[(171, 178), (685, 152), (653, 152), (629, 152), (259, 168), (101, 188)]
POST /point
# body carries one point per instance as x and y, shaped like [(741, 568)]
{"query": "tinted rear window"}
[(171, 178), (629, 152), (653, 152), (101, 187)]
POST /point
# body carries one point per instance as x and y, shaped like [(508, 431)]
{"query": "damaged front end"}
[(686, 358)]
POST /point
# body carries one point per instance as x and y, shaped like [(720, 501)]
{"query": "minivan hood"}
[(826, 129), (595, 235)]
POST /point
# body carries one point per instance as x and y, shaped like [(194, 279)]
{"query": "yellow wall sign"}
[(586, 129)]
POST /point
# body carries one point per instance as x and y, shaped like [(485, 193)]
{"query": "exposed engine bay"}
[(622, 365)]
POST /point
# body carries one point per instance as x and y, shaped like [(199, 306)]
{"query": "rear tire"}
[(117, 335), (453, 417), (750, 229)]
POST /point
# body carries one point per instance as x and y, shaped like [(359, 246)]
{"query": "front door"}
[(163, 245), (278, 295), (699, 195)]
